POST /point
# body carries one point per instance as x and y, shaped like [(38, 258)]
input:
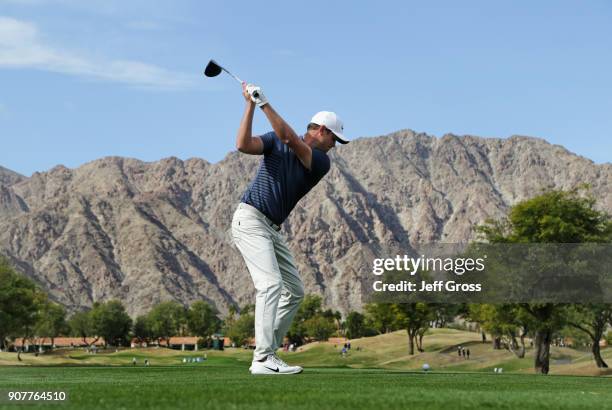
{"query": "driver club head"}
[(212, 69)]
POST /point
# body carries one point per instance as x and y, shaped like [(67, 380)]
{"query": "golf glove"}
[(257, 96)]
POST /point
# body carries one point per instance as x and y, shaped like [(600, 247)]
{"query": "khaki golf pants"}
[(275, 276)]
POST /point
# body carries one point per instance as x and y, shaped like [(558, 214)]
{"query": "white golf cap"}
[(332, 122)]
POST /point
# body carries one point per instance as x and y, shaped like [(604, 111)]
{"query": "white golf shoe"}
[(273, 365)]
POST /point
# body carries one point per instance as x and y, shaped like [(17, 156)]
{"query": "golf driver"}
[(213, 69)]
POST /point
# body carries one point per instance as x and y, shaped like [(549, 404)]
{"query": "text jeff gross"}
[(436, 286)]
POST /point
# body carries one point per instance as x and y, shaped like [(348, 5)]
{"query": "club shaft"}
[(235, 78), (255, 94)]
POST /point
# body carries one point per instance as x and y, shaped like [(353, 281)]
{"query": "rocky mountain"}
[(10, 204), (148, 232), (8, 177)]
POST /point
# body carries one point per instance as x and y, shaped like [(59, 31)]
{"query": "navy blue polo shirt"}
[(282, 180)]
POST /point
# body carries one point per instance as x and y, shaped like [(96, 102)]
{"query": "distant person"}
[(146, 362), (468, 353), (343, 353), (463, 352), (459, 351), (133, 361), (348, 346)]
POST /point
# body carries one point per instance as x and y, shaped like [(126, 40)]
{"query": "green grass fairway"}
[(224, 383), (378, 373)]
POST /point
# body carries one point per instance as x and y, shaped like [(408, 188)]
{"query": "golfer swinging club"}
[(291, 166)]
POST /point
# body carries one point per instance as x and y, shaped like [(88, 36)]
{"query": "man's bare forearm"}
[(287, 136), (283, 130), (243, 138)]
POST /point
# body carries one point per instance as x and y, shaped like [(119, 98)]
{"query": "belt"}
[(269, 221)]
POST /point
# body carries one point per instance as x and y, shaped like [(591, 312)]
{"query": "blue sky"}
[(80, 80)]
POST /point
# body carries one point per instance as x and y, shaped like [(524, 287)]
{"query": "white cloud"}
[(21, 47)]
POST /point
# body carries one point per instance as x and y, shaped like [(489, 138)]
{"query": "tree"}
[(248, 308), (242, 330), (80, 325), (572, 337), (383, 317), (51, 321), (482, 314), (415, 317), (355, 325), (166, 320), (335, 316), (504, 322), (230, 319), (311, 321), (443, 313), (142, 328), (110, 321), (320, 327), (18, 304), (202, 320), (470, 312), (309, 308), (553, 217), (592, 319), (547, 318)]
